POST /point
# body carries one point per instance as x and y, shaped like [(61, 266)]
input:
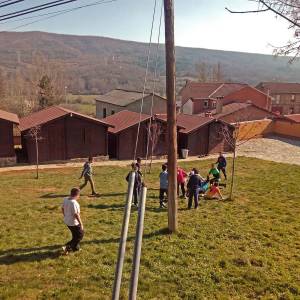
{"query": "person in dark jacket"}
[(222, 163), (137, 183), (194, 188), (87, 174)]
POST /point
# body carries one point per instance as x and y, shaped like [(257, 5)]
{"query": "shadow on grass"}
[(12, 256), (53, 196), (106, 206), (28, 257)]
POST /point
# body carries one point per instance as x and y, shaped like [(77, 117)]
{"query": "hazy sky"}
[(199, 23)]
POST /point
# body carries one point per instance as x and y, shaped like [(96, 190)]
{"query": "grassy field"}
[(247, 248)]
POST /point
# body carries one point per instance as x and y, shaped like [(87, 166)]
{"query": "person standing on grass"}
[(139, 165), (71, 213), (137, 183), (163, 186), (194, 188), (87, 174), (222, 163), (181, 177)]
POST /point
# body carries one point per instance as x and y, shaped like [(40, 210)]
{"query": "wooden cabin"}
[(64, 135)]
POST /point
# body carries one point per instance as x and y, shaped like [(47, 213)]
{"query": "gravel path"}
[(272, 148)]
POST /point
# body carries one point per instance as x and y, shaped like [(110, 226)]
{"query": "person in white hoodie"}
[(71, 213)]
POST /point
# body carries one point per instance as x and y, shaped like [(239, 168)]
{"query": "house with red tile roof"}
[(199, 97), (7, 152), (124, 131), (285, 96), (64, 134), (240, 112)]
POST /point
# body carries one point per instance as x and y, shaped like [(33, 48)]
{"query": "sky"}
[(198, 23)]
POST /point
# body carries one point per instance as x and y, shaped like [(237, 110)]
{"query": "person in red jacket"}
[(181, 177)]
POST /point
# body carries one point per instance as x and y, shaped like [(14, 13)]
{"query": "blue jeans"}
[(194, 193)]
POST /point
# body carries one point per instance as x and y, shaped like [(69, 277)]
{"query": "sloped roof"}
[(49, 114), (190, 123), (294, 117), (7, 116), (123, 97), (231, 108), (280, 87), (200, 90), (124, 120)]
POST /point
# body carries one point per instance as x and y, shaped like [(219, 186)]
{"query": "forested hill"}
[(97, 64)]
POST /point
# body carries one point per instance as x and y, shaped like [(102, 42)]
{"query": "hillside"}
[(97, 64)]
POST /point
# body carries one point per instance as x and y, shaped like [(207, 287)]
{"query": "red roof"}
[(190, 123), (7, 116), (202, 90), (280, 87), (49, 114), (294, 117), (124, 120)]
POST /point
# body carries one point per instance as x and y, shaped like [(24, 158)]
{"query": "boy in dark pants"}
[(194, 188), (137, 183), (87, 174), (222, 163), (163, 185), (71, 213)]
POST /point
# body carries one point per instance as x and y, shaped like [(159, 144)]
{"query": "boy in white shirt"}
[(71, 212)]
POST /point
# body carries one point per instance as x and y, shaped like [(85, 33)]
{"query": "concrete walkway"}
[(273, 149)]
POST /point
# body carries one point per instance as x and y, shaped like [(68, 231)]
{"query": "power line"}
[(62, 12), (34, 9), (11, 3)]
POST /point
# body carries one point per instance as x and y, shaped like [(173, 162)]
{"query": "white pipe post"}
[(123, 239), (138, 246)]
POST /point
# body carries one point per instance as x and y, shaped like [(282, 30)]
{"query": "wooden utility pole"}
[(171, 114)]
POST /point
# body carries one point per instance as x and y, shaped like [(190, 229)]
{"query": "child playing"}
[(71, 213), (215, 173), (214, 192), (222, 163), (181, 176), (193, 188), (163, 185), (87, 174), (137, 183)]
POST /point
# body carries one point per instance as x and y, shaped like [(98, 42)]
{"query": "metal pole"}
[(138, 246), (122, 244), (171, 114)]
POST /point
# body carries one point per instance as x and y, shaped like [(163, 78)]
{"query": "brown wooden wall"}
[(122, 145), (67, 138), (217, 143), (198, 141), (6, 139)]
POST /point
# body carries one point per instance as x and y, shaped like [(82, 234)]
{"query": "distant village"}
[(205, 112)]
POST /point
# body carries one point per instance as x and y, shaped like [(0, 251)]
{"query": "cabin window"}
[(104, 113), (206, 104), (214, 104), (112, 112), (293, 98)]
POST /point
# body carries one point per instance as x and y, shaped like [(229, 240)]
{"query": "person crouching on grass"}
[(71, 213), (214, 192), (87, 174)]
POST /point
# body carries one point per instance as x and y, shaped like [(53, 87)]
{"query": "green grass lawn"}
[(247, 248)]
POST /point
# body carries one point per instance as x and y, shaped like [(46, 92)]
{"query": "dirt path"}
[(273, 149)]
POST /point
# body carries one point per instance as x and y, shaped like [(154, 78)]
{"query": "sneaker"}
[(65, 250)]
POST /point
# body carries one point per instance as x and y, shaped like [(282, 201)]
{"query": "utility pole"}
[(171, 114)]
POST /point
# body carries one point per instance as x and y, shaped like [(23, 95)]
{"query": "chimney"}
[(219, 105)]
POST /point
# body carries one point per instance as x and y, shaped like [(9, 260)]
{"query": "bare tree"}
[(209, 72), (35, 134), (235, 139), (288, 10)]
